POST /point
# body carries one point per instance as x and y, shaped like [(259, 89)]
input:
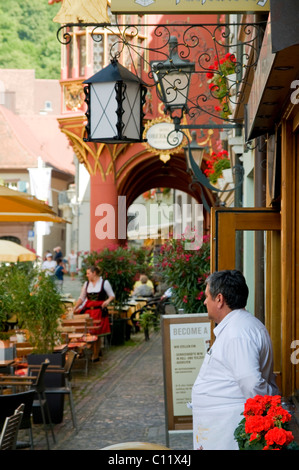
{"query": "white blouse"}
[(97, 287)]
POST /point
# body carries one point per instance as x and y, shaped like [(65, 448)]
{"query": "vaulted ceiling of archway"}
[(151, 172)]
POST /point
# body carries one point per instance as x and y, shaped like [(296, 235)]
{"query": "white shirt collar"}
[(217, 330)]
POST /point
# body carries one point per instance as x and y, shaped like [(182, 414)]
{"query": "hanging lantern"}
[(115, 99), (172, 78)]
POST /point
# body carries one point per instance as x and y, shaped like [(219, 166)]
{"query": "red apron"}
[(94, 309)]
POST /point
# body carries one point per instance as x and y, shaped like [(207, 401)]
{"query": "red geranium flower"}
[(279, 436)]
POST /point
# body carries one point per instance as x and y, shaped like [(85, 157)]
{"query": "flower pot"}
[(55, 402), (228, 175), (118, 331), (231, 87)]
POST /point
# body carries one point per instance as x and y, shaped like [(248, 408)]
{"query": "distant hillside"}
[(28, 37)]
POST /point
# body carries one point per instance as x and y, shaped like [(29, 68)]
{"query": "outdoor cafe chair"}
[(67, 388), (35, 382), (9, 433), (9, 402)]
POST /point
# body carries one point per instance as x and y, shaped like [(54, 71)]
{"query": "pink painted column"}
[(104, 210)]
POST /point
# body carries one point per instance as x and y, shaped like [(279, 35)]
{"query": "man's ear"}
[(220, 301)]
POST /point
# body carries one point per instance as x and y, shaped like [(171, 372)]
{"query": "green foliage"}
[(147, 320), (32, 297), (14, 280), (121, 266), (28, 37), (42, 313), (185, 270)]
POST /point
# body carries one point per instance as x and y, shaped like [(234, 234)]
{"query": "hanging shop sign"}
[(161, 137), (189, 6)]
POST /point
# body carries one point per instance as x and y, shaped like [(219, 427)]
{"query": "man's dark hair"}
[(232, 285)]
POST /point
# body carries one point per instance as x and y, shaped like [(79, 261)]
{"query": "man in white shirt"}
[(239, 364)]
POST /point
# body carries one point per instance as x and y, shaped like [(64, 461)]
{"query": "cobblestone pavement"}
[(121, 399)]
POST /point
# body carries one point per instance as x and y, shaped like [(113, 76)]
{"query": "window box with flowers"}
[(221, 79), (217, 163)]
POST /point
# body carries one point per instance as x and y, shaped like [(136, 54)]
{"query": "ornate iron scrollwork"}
[(221, 60)]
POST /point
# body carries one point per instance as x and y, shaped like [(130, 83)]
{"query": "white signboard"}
[(186, 339), (162, 136), (189, 343)]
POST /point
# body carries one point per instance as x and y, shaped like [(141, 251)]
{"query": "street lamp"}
[(197, 152), (172, 79), (115, 98)]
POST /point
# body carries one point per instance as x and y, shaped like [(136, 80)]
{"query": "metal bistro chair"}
[(36, 382), (41, 401), (9, 402), (67, 389), (9, 434)]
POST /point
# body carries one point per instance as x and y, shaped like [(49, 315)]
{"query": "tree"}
[(28, 37)]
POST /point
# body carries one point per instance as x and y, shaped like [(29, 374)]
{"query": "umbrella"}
[(11, 252), (16, 206)]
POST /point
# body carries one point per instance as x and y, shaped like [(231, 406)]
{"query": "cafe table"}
[(82, 344)]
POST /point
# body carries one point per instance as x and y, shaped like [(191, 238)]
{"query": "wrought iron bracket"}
[(208, 45)]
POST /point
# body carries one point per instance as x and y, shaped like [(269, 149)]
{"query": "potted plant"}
[(265, 425), (216, 164), (185, 270), (148, 320), (31, 296), (220, 84)]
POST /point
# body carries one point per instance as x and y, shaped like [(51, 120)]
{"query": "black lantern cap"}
[(114, 72)]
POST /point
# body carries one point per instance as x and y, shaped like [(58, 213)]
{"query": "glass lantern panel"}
[(103, 107), (131, 106), (176, 87)]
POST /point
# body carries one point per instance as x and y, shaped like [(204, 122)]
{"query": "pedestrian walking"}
[(72, 259), (60, 270)]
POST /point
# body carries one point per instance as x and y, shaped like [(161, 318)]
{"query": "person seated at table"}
[(143, 289), (96, 295), (148, 282)]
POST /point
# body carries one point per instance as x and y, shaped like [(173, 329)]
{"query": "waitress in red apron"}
[(95, 296)]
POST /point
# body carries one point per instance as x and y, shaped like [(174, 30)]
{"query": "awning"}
[(16, 206)]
